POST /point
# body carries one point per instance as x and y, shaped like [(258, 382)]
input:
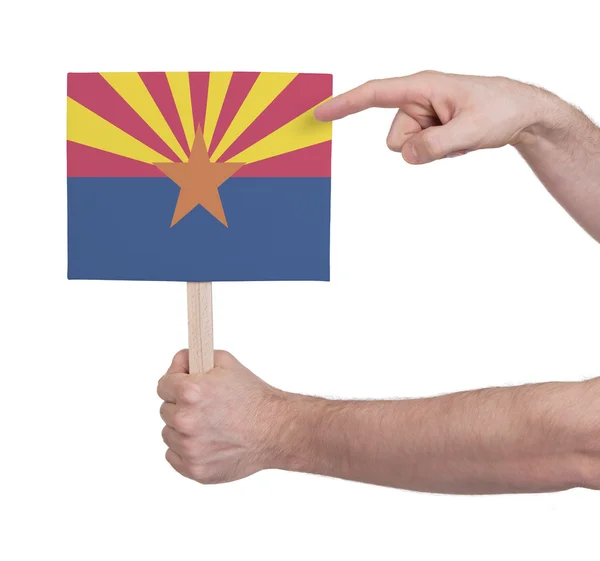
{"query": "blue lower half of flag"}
[(278, 229)]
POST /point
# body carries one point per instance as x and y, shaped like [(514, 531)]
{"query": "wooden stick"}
[(200, 327)]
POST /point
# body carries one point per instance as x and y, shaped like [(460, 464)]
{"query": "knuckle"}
[(372, 90), (182, 422), (162, 411), (160, 386), (171, 457), (189, 392), (204, 475), (198, 472)]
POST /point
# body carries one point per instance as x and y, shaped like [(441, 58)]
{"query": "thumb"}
[(456, 136)]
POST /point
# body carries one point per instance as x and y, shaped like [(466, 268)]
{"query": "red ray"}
[(83, 161), (95, 93), (302, 93), (199, 91), (159, 89), (239, 86), (312, 161)]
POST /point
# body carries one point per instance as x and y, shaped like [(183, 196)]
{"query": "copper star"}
[(199, 180)]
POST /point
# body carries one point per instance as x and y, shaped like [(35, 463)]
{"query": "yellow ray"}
[(301, 132), (89, 129), (218, 82), (180, 88), (267, 87), (132, 89)]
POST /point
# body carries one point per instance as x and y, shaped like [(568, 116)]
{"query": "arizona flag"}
[(198, 176)]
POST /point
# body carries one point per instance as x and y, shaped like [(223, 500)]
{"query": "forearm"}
[(525, 439), (563, 150)]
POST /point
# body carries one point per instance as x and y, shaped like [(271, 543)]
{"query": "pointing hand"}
[(441, 115)]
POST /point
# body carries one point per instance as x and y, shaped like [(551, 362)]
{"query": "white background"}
[(457, 275)]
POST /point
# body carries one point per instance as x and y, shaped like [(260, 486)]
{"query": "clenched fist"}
[(220, 426)]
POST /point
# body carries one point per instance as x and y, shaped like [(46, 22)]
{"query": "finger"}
[(170, 386), (181, 420), (457, 136), (388, 92), (173, 440), (180, 363), (403, 127), (167, 413), (177, 462), (179, 388)]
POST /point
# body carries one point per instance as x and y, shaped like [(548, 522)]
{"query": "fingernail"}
[(414, 153)]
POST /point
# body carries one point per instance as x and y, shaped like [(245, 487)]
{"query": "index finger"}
[(386, 92)]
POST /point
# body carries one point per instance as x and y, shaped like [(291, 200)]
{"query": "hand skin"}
[(217, 426), (441, 115), (229, 424)]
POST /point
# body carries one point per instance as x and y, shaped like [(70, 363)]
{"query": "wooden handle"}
[(200, 327)]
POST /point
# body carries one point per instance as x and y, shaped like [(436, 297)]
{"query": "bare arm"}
[(563, 150), (447, 114), (543, 437), (230, 424)]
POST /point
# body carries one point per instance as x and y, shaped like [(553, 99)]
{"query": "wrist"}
[(298, 437), (550, 121)]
